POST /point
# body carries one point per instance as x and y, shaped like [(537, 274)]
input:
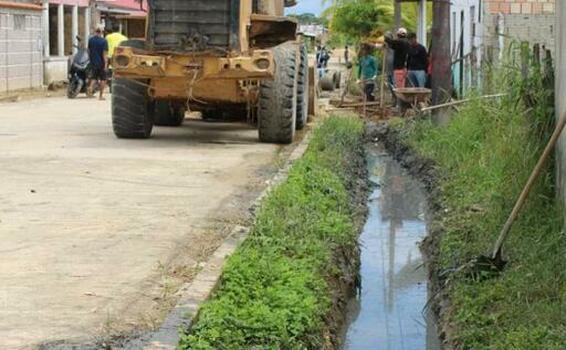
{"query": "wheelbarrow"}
[(412, 97)]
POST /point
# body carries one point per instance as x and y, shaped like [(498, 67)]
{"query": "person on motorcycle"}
[(98, 51)]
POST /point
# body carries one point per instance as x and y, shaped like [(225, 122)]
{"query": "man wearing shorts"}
[(98, 51)]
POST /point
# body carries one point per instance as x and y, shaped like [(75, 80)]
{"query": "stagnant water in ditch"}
[(390, 311)]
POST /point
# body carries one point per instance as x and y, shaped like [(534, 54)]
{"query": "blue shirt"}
[(368, 67), (97, 45)]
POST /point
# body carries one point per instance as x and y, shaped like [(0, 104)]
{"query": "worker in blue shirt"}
[(367, 71)]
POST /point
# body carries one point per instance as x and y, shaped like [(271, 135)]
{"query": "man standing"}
[(367, 71), (98, 51), (400, 47), (417, 62), (114, 39), (346, 55)]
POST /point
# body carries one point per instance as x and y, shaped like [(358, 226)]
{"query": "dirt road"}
[(97, 233)]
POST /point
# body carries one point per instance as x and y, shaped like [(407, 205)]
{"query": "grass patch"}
[(274, 292), (485, 155)]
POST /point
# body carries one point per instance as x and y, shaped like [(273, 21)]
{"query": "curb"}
[(194, 293)]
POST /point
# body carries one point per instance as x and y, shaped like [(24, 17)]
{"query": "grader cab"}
[(213, 56)]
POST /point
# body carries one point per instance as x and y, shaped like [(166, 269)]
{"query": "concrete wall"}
[(522, 20), (466, 19), (560, 65), (20, 49)]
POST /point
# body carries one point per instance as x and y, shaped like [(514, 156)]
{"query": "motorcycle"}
[(78, 71)]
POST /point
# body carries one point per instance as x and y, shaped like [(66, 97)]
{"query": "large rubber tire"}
[(327, 82), (303, 90), (277, 114), (74, 88), (134, 43), (132, 110), (168, 114)]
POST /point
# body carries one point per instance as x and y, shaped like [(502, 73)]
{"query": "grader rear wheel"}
[(132, 110)]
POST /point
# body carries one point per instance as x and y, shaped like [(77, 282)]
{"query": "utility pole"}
[(397, 14), (441, 59)]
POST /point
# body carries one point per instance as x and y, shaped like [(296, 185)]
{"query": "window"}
[(19, 22)]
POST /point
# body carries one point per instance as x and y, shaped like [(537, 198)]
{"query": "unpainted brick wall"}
[(524, 20), (520, 7), (21, 61)]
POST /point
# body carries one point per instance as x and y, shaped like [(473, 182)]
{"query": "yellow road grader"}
[(241, 57)]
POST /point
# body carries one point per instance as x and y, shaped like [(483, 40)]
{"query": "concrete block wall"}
[(523, 20), (21, 65)]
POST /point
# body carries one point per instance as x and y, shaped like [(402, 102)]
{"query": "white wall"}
[(20, 49), (472, 15)]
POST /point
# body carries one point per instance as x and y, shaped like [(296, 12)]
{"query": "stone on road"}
[(97, 232)]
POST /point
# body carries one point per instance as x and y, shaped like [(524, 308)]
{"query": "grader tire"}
[(132, 110), (327, 82), (133, 43), (167, 114), (277, 112), (303, 90)]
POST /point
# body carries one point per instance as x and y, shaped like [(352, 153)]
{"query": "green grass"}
[(485, 155), (274, 291)]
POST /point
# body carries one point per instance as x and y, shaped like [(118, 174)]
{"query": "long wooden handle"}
[(532, 179)]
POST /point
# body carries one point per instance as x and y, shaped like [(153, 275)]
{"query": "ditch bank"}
[(290, 281), (481, 162)]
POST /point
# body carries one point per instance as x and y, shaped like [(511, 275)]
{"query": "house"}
[(20, 46), (65, 20), (481, 29), (466, 39), (129, 15)]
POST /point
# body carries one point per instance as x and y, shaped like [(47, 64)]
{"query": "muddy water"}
[(390, 310)]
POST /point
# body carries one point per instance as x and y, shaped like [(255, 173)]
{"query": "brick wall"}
[(21, 65), (520, 7), (523, 20)]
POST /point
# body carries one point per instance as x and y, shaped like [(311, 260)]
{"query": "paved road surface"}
[(95, 232)]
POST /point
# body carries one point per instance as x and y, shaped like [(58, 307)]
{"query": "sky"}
[(312, 6)]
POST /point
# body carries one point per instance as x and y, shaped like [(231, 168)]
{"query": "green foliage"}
[(309, 18), (487, 153), (273, 292), (360, 19)]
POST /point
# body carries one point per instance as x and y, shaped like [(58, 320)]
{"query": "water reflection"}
[(389, 311)]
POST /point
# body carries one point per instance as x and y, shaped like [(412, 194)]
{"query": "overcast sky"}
[(312, 6)]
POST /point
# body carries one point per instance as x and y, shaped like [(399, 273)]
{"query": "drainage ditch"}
[(390, 310)]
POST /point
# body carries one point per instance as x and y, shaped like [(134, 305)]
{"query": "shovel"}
[(495, 262)]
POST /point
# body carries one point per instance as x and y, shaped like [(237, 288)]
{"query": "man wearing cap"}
[(400, 47)]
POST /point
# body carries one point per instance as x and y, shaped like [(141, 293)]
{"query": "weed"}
[(274, 291), (486, 154)]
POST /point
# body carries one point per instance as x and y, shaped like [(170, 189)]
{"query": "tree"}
[(359, 19), (309, 18)]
